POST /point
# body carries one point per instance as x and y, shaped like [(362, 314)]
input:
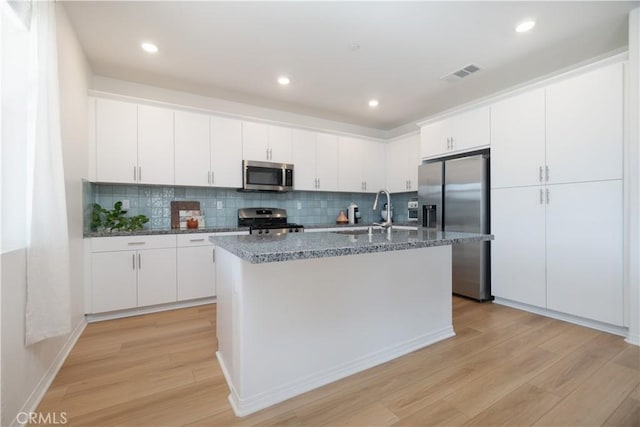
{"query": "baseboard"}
[(633, 339), (242, 407), (99, 317), (593, 324), (45, 382)]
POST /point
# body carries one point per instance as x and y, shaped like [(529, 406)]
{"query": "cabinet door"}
[(433, 139), (155, 145), (327, 162), (414, 161), (113, 281), (373, 157), (585, 127), (397, 163), (192, 149), (517, 140), (196, 272), (280, 144), (584, 250), (350, 164), (156, 276), (304, 160), (255, 141), (116, 141), (471, 129), (518, 251), (226, 152)]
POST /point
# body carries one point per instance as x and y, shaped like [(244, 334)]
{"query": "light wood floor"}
[(504, 367)]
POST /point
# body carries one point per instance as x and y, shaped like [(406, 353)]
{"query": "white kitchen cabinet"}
[(361, 165), (584, 250), (226, 152), (518, 251), (192, 150), (456, 134), (559, 247), (155, 145), (134, 143), (518, 140), (116, 126), (403, 160), (584, 126), (196, 267), (315, 160), (156, 276), (266, 142), (113, 281), (132, 271)]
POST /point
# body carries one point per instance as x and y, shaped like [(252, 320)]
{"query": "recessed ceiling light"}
[(525, 26), (373, 103), (149, 47), (284, 80)]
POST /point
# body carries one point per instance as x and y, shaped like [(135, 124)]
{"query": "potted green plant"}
[(115, 219)]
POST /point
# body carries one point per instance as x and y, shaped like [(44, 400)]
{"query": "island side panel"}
[(306, 323)]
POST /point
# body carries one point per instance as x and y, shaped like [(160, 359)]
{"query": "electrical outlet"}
[(299, 205), (125, 204), (219, 204)]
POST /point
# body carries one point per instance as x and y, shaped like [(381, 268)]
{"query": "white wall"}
[(27, 371), (634, 177)]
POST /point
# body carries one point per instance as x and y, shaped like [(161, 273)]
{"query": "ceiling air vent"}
[(461, 73)]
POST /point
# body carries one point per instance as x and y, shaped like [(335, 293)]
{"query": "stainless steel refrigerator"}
[(453, 195)]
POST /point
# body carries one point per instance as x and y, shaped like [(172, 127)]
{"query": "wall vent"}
[(461, 73)]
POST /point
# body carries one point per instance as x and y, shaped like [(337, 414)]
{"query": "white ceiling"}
[(236, 50)]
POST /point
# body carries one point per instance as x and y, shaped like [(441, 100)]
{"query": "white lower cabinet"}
[(560, 247), (196, 267), (129, 272)]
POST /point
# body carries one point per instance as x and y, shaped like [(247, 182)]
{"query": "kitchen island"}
[(302, 310)]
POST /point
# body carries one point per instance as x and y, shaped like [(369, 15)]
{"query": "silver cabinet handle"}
[(547, 191), (540, 174), (133, 261), (213, 255), (134, 173), (213, 177), (136, 243), (448, 142), (139, 173), (139, 261), (267, 154), (318, 183), (541, 197), (196, 240), (209, 177), (452, 140), (546, 173), (410, 185)]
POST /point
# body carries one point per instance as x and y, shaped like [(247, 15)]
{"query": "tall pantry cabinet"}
[(557, 196)]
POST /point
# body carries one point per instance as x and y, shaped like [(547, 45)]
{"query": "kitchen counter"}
[(258, 249), (150, 232), (295, 313)]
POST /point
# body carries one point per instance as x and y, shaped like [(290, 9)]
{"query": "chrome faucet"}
[(386, 224)]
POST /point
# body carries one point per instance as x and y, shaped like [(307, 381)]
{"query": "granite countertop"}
[(258, 249), (150, 232)]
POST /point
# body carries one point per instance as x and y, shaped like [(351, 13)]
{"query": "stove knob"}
[(297, 230), (259, 231), (291, 230), (266, 231)]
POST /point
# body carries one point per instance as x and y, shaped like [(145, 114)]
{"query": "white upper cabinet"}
[(192, 151), (518, 140), (585, 126), (327, 162), (226, 152), (134, 143), (456, 134), (403, 159), (266, 143), (315, 160), (361, 165), (155, 145), (116, 141)]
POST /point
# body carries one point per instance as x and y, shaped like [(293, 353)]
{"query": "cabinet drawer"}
[(127, 243), (194, 239)]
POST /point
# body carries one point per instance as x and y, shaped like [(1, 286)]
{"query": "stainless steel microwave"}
[(266, 176)]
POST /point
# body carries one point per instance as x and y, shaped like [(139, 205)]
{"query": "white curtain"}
[(48, 312)]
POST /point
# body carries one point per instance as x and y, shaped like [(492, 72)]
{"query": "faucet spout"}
[(386, 224)]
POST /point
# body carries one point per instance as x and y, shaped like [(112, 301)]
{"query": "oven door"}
[(267, 176)]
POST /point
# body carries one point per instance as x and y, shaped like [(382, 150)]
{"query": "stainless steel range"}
[(272, 221)]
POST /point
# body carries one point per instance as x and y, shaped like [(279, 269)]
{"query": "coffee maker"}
[(353, 214)]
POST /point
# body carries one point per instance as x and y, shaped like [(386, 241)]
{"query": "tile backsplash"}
[(303, 207)]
